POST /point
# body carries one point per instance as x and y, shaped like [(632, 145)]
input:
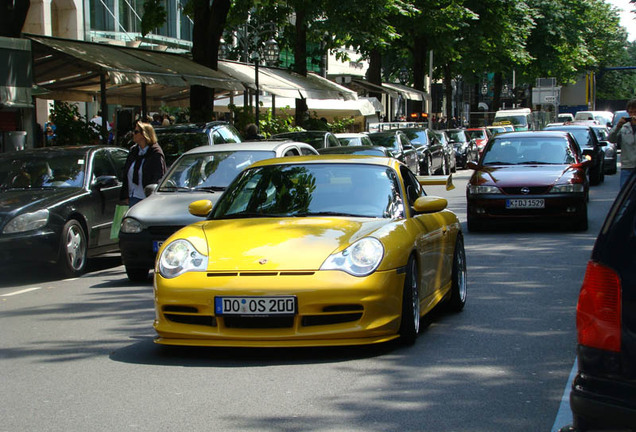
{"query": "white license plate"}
[(525, 203), (156, 245), (257, 305)]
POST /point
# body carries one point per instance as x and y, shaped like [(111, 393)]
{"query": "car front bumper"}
[(39, 246), (557, 206), (139, 250), (333, 308)]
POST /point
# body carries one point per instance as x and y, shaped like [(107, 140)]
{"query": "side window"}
[(227, 135), (119, 160), (291, 152), (102, 165), (217, 138), (413, 188), (308, 152), (333, 141)]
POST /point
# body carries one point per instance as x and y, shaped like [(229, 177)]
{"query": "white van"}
[(520, 118), (602, 117)]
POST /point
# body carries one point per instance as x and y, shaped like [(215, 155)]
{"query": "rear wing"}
[(437, 181)]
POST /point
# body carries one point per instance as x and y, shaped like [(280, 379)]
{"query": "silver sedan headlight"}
[(568, 188), (131, 226), (359, 259), (180, 257), (27, 222), (478, 190)]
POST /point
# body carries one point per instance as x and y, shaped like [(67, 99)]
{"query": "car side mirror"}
[(105, 182), (472, 165), (149, 189), (603, 143), (429, 204), (200, 208)]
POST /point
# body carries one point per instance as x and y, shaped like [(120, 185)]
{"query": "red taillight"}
[(598, 313)]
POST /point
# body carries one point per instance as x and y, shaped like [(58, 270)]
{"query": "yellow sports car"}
[(311, 251)]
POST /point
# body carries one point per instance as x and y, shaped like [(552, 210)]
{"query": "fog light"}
[(571, 210), (480, 211)]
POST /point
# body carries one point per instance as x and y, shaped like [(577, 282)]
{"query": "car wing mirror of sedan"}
[(149, 189), (437, 181), (200, 208), (429, 204), (105, 181), (472, 165)]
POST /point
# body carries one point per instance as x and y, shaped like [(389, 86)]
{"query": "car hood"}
[(169, 208), (275, 244), (521, 175), (14, 201)]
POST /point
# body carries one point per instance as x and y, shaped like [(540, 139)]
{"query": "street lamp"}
[(249, 39)]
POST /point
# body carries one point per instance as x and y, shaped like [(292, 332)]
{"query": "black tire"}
[(459, 283), (410, 321), (73, 248), (137, 274)]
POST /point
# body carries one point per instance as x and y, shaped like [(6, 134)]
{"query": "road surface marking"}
[(21, 292), (564, 415)]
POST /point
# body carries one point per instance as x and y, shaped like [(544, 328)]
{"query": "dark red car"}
[(529, 176), (481, 135)]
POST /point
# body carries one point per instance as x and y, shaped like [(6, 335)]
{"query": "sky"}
[(628, 19)]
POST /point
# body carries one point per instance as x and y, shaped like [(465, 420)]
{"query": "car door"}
[(429, 235), (409, 152), (105, 185), (437, 150)]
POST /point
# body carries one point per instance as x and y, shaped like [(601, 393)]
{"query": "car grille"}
[(163, 231), (534, 190)]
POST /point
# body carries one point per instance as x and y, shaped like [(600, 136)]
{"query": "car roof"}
[(270, 145), (351, 149), (533, 134), (332, 158), (350, 135), (189, 127)]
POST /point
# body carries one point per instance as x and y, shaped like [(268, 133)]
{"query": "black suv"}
[(590, 146), (603, 394), (179, 138)]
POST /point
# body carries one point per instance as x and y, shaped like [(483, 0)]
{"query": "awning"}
[(287, 84), (71, 70), (407, 92), (374, 88), (322, 107)]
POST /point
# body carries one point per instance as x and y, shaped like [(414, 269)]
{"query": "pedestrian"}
[(251, 133), (145, 165), (624, 135)]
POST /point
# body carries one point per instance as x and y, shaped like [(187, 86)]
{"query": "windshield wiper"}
[(174, 189), (500, 163), (211, 188), (533, 163), (329, 213)]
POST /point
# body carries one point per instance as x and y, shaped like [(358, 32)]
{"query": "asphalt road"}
[(78, 354)]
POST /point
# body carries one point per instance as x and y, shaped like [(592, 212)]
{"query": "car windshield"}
[(44, 170), (417, 138), (457, 136), (303, 190), (520, 151), (174, 144), (476, 134), (388, 140), (351, 141), (209, 171), (515, 120)]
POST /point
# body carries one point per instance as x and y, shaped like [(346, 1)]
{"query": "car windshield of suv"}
[(312, 190), (209, 171), (520, 151), (45, 170), (316, 140), (388, 140)]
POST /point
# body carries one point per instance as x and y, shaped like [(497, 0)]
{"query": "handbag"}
[(120, 211)]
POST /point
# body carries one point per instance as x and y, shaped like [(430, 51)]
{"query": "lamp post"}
[(253, 40)]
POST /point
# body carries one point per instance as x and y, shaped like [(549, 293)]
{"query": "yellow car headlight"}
[(180, 257), (359, 259), (27, 222)]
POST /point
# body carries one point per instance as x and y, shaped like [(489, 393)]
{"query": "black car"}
[(590, 146), (465, 148), (603, 393), (400, 147), (179, 138), (316, 139), (357, 150), (430, 150), (57, 204)]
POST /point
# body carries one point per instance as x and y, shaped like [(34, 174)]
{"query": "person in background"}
[(145, 165), (624, 135), (251, 133)]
